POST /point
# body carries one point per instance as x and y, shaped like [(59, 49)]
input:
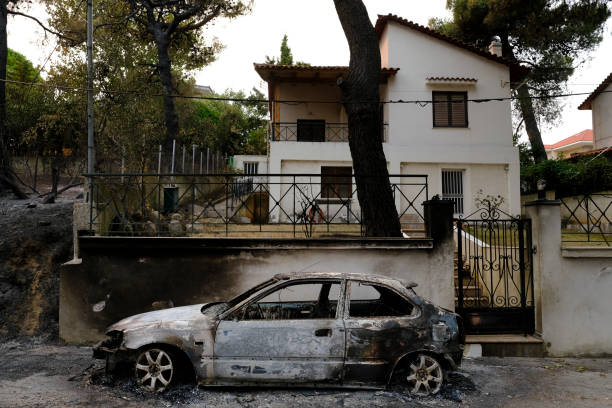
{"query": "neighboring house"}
[(600, 104), (462, 147), (202, 90), (578, 143)]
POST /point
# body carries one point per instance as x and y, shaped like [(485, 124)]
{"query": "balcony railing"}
[(232, 205), (329, 132)]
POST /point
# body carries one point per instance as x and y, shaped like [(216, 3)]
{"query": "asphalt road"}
[(64, 376)]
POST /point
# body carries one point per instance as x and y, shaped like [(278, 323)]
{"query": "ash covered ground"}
[(47, 375)]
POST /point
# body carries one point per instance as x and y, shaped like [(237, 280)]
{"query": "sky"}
[(315, 36)]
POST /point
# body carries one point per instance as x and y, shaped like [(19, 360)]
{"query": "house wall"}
[(132, 273), (602, 119), (485, 147), (572, 286), (330, 112), (240, 159), (567, 151)]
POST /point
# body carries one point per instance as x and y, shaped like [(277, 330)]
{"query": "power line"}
[(420, 102)]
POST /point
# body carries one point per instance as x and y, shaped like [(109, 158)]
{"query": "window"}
[(377, 301), (336, 182), (452, 188), (251, 168), (310, 130), (450, 109), (312, 300)]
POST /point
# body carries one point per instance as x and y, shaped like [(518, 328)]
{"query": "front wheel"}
[(425, 375), (155, 369)]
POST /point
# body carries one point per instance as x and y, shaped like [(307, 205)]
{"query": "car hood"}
[(183, 313)]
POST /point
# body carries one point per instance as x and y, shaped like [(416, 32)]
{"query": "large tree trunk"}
[(365, 140), (531, 125), (6, 175), (165, 75), (526, 105)]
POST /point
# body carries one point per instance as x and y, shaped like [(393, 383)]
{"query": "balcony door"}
[(310, 130)]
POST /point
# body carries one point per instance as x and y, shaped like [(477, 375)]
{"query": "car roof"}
[(346, 275)]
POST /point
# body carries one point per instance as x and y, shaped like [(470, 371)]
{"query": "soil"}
[(35, 239)]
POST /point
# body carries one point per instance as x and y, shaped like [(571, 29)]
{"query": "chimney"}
[(495, 47)]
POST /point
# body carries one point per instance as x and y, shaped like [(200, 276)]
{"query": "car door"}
[(379, 329), (292, 333)]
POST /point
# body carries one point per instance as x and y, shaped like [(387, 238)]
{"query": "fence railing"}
[(324, 132), (587, 220), (265, 205)]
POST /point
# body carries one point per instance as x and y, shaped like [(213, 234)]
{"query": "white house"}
[(463, 147), (579, 143), (600, 104)]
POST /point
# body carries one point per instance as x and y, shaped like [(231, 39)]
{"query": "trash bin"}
[(171, 195)]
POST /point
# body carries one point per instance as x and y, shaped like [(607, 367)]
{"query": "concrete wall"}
[(132, 273), (573, 287), (602, 119)]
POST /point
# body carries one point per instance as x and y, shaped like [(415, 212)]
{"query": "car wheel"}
[(155, 369), (425, 375)]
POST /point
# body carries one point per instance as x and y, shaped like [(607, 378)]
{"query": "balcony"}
[(313, 131)]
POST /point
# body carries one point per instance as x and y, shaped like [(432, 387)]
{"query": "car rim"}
[(425, 376), (154, 370)]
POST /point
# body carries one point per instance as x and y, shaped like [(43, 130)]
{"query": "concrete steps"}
[(503, 345)]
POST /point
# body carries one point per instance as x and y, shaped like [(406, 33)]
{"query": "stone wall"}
[(131, 274)]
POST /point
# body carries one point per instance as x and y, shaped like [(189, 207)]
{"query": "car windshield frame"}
[(245, 295)]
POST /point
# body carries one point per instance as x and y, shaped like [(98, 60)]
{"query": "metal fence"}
[(586, 220), (270, 205)]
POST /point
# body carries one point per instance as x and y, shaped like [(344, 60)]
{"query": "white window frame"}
[(248, 166)]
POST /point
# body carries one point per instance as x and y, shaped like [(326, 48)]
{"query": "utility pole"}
[(91, 151)]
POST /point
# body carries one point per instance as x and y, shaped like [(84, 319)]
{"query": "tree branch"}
[(47, 29)]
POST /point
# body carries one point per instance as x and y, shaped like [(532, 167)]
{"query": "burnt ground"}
[(34, 242), (37, 375)]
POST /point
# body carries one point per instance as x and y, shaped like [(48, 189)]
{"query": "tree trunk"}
[(379, 213), (6, 175), (531, 125), (165, 75), (526, 106)]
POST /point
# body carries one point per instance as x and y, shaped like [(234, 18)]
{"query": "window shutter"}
[(440, 109), (458, 110)]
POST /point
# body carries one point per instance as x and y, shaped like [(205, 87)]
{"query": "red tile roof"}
[(267, 71), (454, 79), (584, 136), (517, 72), (586, 105)]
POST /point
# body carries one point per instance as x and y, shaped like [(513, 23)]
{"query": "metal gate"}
[(494, 273)]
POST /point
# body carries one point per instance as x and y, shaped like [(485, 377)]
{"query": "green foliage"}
[(230, 127), (286, 56), (19, 68), (549, 36), (568, 178)]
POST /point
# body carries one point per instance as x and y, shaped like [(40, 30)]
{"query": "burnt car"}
[(296, 329)]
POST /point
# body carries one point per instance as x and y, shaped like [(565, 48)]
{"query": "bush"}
[(569, 178)]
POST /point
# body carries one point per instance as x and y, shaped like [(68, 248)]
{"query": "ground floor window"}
[(251, 168), (336, 182), (452, 188)]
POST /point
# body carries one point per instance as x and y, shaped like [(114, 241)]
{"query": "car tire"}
[(155, 369), (424, 375)]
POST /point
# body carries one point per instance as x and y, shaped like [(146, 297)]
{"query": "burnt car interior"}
[(311, 300), (377, 301)]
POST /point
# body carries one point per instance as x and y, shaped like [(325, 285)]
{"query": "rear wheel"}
[(155, 369), (424, 376)]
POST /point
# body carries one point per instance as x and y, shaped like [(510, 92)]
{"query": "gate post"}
[(545, 218), (459, 267)]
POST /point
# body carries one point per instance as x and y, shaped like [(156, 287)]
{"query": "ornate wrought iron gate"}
[(494, 273)]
